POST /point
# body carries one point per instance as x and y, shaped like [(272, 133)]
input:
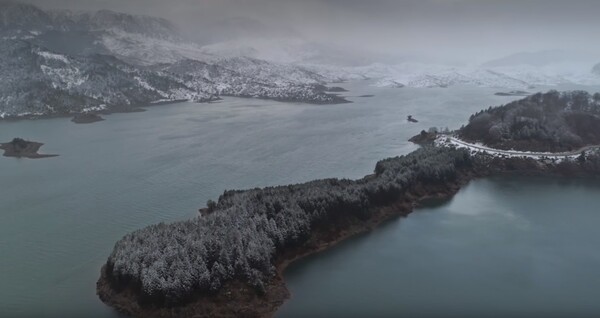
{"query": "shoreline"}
[(142, 107), (132, 109)]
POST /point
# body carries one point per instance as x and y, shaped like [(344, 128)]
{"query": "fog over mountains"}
[(90, 57), (467, 30), (60, 62)]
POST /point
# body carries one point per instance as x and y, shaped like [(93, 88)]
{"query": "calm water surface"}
[(60, 217), (502, 247)]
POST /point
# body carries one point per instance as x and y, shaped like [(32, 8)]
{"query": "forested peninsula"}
[(229, 261)]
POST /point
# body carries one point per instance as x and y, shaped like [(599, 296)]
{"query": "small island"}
[(21, 148), (86, 118), (229, 261), (513, 93), (336, 89)]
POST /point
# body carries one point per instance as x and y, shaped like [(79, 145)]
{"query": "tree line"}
[(549, 121)]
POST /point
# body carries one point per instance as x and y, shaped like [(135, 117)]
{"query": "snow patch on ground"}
[(144, 84), (94, 108), (53, 56)]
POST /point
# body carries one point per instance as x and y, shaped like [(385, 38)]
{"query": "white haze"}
[(461, 31)]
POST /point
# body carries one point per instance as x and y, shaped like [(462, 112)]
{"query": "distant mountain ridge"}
[(430, 75), (20, 17), (137, 39), (16, 15)]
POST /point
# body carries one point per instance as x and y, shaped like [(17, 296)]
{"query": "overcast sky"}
[(462, 29)]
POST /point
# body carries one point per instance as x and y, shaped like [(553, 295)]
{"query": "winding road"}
[(451, 140)]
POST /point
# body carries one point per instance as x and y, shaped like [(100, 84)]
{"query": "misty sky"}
[(456, 29)]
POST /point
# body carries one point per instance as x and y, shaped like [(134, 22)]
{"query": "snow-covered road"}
[(445, 140)]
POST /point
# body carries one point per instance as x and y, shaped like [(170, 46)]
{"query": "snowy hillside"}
[(60, 62), (245, 77), (36, 81)]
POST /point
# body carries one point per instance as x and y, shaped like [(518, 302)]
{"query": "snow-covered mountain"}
[(517, 71), (36, 81), (59, 62), (420, 75), (63, 62), (246, 77)]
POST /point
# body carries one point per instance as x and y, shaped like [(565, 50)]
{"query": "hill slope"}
[(59, 62), (36, 81), (542, 122)]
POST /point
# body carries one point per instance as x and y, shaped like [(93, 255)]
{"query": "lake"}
[(502, 247), (60, 217)]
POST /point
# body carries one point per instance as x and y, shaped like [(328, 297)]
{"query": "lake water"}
[(60, 217), (502, 247)]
